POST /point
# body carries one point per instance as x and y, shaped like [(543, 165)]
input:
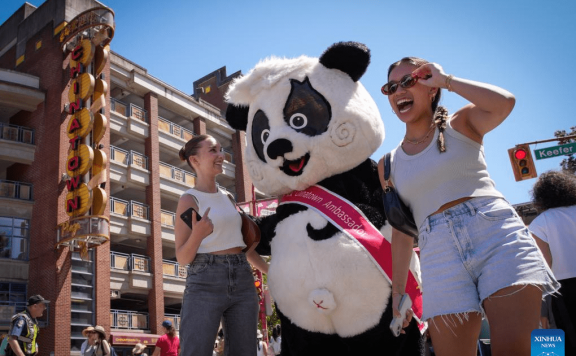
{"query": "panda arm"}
[(267, 225)]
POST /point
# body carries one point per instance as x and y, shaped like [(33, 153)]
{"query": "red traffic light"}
[(522, 163), (520, 154)]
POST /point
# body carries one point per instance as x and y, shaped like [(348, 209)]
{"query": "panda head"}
[(306, 119)]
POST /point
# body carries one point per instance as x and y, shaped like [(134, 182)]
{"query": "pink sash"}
[(350, 220)]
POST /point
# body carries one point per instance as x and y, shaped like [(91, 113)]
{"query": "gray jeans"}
[(219, 287)]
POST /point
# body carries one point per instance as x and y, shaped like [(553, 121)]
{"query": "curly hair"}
[(440, 112), (554, 189)]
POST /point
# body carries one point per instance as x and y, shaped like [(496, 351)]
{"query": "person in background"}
[(138, 350), (477, 256), (554, 229), (261, 347), (4, 344), (101, 345), (220, 285), (24, 327), (87, 347), (168, 344), (275, 341)]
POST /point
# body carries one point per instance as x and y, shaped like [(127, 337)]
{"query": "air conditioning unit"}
[(114, 294)]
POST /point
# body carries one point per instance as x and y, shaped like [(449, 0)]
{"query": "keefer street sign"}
[(555, 151)]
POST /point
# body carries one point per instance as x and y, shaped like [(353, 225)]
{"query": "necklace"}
[(422, 139)]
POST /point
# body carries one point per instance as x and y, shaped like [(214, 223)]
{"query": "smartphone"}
[(187, 217), (396, 324)]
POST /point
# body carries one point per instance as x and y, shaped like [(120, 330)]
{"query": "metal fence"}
[(174, 129), (16, 133), (167, 218), (126, 157), (169, 171), (129, 110), (126, 319), (173, 269), (129, 262), (15, 190), (130, 208)]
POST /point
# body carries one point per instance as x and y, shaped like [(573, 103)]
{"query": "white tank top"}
[(261, 351), (226, 219), (429, 179)]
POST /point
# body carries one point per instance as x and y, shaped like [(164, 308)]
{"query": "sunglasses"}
[(407, 81)]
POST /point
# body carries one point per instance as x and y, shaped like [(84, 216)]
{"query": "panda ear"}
[(350, 57), (237, 116)]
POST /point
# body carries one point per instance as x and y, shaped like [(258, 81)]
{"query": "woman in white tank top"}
[(220, 284), (477, 257)]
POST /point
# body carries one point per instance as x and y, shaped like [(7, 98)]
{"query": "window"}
[(12, 300), (82, 308), (14, 236)]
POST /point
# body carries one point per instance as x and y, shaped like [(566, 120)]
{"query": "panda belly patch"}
[(322, 286)]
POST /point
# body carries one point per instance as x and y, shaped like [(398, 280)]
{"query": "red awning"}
[(122, 338)]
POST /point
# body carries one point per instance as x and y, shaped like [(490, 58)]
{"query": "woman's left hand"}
[(431, 75)]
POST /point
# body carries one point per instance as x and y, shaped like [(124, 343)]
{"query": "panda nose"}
[(279, 148)]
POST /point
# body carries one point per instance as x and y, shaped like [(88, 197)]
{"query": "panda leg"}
[(299, 342), (380, 341)]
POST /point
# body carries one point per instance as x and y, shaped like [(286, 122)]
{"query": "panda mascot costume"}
[(310, 130)]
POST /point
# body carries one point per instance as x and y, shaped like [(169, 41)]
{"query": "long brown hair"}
[(440, 116), (171, 331)]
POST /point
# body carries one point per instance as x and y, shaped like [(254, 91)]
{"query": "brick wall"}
[(49, 268), (153, 199), (102, 253), (243, 180)]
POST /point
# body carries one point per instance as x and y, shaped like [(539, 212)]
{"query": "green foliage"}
[(568, 164), (271, 320)]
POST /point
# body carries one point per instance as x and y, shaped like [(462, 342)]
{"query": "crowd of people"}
[(478, 259)]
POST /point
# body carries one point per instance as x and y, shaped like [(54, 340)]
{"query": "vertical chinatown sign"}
[(85, 39)]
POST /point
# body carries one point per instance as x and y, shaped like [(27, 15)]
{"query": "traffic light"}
[(522, 162)]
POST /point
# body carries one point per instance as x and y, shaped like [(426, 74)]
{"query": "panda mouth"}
[(295, 167)]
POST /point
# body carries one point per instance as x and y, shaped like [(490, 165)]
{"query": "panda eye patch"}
[(306, 110), (298, 121), (260, 133), (265, 135)]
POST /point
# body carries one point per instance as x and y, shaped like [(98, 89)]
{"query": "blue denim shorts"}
[(474, 249)]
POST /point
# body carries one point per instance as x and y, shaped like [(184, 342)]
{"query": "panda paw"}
[(322, 300)]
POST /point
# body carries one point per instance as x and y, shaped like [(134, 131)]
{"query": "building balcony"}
[(130, 320), (129, 273), (129, 218), (16, 145), (171, 135), (175, 181), (129, 120), (229, 167), (129, 168), (19, 91), (174, 279), (168, 220)]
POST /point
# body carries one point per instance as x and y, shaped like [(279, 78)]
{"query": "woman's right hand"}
[(396, 313), (204, 227)]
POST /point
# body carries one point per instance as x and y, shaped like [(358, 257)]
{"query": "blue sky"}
[(527, 47)]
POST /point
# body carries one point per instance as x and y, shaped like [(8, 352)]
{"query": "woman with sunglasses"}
[(477, 256)]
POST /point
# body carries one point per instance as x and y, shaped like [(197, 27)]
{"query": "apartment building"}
[(117, 266)]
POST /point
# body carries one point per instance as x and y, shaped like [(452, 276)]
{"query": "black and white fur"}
[(309, 121)]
